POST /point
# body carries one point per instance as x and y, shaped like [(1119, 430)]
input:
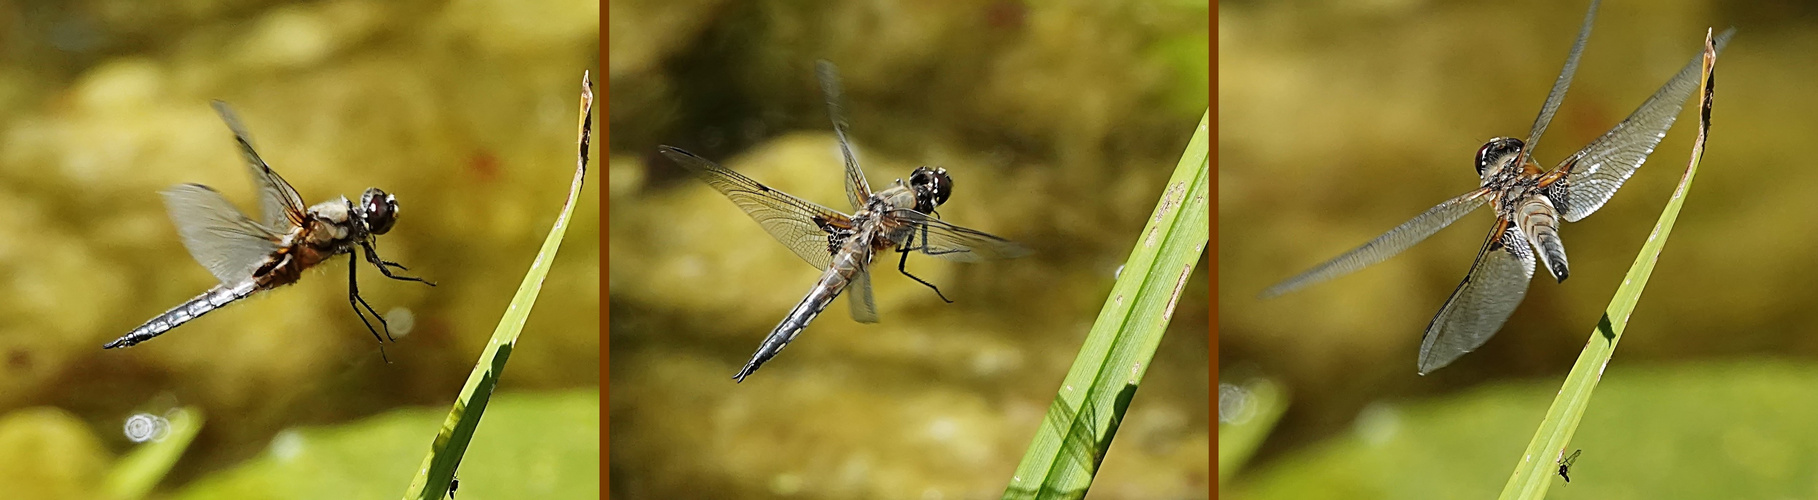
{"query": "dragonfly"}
[(248, 256), (1566, 463), (1529, 204), (899, 218)]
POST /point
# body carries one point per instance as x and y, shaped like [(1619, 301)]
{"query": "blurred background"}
[(464, 110), (1059, 122), (1339, 121)]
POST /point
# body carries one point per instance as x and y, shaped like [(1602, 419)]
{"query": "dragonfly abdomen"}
[(213, 299), (1540, 222), (825, 290)]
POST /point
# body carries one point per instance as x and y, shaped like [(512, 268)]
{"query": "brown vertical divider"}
[(603, 107), (1212, 257)]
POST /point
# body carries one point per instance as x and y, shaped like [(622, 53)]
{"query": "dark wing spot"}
[(832, 225)]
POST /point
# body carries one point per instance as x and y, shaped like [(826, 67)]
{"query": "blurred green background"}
[(1059, 122), (464, 110), (1339, 121)]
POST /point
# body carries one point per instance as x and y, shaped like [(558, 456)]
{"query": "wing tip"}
[(1280, 289), (1432, 361), (176, 194), (679, 155)]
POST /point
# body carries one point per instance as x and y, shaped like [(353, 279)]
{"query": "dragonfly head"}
[(378, 210), (1496, 155), (932, 186)]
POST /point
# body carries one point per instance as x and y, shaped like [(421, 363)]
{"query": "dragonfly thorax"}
[(327, 221)]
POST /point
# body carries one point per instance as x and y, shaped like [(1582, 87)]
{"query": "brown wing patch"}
[(1502, 224)]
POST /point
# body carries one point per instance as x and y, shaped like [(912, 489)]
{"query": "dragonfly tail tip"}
[(745, 372)]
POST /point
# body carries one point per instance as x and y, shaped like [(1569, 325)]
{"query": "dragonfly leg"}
[(373, 251), (901, 267), (373, 257), (354, 300), (923, 246)]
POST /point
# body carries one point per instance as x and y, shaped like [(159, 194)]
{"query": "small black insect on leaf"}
[(1566, 463)]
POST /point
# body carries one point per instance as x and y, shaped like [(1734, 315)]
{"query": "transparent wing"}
[(1483, 301), (1594, 173), (802, 226), (279, 203), (857, 190), (1388, 245), (217, 235), (858, 295), (1555, 96), (954, 243)]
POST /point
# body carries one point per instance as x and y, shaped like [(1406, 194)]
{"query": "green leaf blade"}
[(1065, 453), (432, 479)]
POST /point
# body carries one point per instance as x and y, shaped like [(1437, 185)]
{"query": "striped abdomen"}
[(1540, 222), (213, 299), (832, 282)]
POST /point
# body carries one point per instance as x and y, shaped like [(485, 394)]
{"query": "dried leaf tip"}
[(587, 86), (586, 128)]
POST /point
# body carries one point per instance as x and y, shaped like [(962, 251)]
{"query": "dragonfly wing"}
[(857, 189), (1557, 95), (798, 224), (1483, 301), (1593, 174), (1388, 245), (279, 203), (218, 236), (858, 295), (955, 243)]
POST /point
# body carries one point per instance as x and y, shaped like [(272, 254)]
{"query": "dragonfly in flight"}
[(899, 218), (1529, 204), (249, 256)]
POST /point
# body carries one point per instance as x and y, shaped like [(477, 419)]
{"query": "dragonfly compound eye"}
[(1495, 151), (381, 210), (932, 187)]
